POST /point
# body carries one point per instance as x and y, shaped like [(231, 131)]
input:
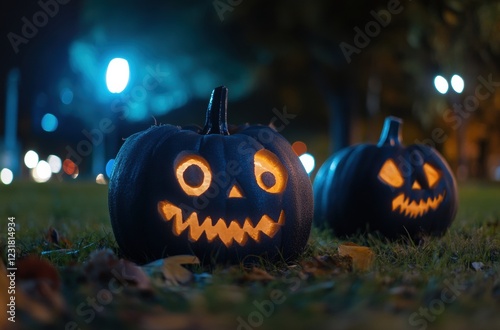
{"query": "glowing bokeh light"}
[(31, 159), (109, 167), (457, 83), (49, 122), (100, 179), (55, 163), (6, 176), (441, 84), (41, 173), (66, 96), (308, 162), (299, 147), (69, 167), (117, 75)]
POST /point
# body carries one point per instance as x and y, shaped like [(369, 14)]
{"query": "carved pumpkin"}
[(221, 197), (395, 190)]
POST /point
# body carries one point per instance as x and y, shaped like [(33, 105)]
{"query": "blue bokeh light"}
[(109, 167), (66, 96), (49, 122)]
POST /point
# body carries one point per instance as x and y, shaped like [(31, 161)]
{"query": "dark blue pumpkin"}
[(386, 188), (222, 197)]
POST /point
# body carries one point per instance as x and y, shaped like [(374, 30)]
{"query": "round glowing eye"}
[(193, 174), (270, 173)]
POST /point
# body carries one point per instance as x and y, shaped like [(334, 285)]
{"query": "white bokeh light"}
[(6, 176), (308, 162), (55, 163), (42, 172), (117, 75), (457, 83), (441, 84), (31, 159)]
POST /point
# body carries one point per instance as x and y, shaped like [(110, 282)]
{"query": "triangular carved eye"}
[(432, 175), (390, 174)]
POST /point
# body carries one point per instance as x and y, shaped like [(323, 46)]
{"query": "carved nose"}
[(235, 192), (416, 185)]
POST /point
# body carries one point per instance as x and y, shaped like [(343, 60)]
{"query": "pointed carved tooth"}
[(227, 234), (397, 202)]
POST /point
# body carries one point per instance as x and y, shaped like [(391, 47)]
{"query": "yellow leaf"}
[(174, 273), (362, 256)]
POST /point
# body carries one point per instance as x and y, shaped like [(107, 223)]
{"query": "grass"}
[(431, 285)]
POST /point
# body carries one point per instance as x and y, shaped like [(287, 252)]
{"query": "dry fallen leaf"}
[(100, 265), (103, 265), (362, 256), (52, 236), (327, 265), (37, 291), (35, 268), (257, 274), (477, 266), (133, 273), (173, 271), (4, 298)]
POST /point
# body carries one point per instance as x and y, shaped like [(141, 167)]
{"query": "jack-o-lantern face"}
[(395, 190), (407, 205), (223, 197), (194, 176)]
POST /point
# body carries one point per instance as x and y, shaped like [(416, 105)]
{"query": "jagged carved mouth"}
[(415, 208), (226, 233)]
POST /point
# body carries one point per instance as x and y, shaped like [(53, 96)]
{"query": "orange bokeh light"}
[(299, 148), (69, 167)]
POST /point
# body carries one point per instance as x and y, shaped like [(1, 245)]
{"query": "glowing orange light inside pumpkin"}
[(389, 173), (184, 162), (235, 192), (226, 233), (267, 164), (432, 175), (413, 208), (299, 148)]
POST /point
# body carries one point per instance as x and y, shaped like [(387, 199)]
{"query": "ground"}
[(451, 282)]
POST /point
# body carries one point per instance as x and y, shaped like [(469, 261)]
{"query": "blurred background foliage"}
[(271, 55)]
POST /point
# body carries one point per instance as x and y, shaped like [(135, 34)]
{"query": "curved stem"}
[(391, 133), (216, 120)]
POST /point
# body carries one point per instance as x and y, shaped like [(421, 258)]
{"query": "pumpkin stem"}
[(391, 133), (216, 121)]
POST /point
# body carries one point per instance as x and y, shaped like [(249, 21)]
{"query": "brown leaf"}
[(327, 265), (174, 273), (133, 273), (257, 274), (37, 292), (35, 268), (103, 265), (4, 298), (52, 236), (100, 265), (362, 256)]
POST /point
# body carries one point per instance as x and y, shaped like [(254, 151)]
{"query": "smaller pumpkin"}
[(386, 188)]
